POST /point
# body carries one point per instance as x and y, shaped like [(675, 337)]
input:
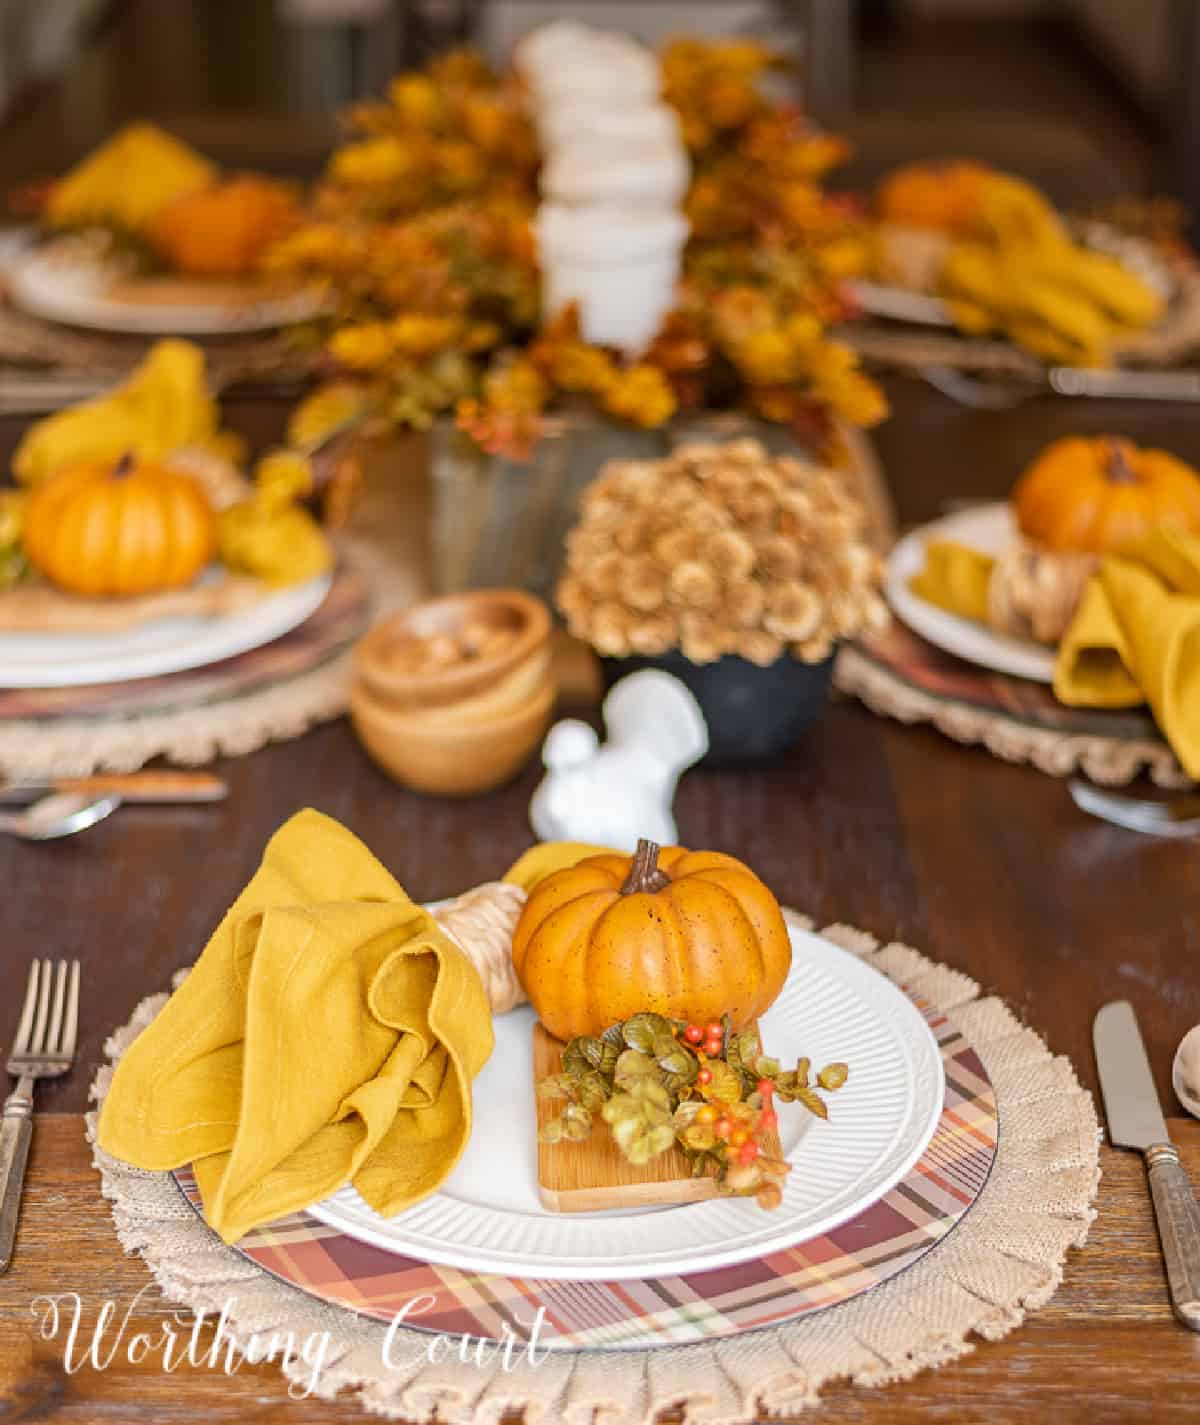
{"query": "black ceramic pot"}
[(752, 713)]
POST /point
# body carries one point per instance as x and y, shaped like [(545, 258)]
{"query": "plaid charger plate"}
[(880, 1242)]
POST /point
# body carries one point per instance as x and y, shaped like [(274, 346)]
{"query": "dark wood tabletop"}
[(983, 865)]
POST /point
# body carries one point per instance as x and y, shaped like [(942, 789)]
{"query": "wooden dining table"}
[(984, 866)]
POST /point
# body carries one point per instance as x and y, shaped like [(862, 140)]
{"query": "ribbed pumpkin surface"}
[(105, 529), (711, 941)]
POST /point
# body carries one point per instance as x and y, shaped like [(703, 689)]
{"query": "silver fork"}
[(43, 1049)]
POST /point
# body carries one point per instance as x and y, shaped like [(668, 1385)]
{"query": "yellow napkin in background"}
[(328, 1034), (129, 179), (955, 578), (163, 406), (1136, 638)]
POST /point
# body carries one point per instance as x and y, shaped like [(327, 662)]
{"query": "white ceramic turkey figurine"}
[(612, 794)]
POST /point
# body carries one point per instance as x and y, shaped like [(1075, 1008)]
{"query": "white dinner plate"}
[(898, 304), (169, 645), (79, 293), (488, 1216), (987, 528)]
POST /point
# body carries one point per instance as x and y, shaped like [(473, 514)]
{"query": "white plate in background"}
[(169, 645), (988, 528), (47, 283)]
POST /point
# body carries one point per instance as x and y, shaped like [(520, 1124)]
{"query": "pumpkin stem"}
[(1119, 471), (124, 466), (644, 874)]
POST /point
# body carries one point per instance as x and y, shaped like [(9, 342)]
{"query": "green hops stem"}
[(655, 1090)]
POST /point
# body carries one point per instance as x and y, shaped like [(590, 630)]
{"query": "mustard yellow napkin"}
[(547, 857), (328, 1034), (955, 577), (163, 406), (1136, 638), (129, 179)]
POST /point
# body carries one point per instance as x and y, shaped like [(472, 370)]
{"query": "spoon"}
[(1178, 818), (62, 814), (1185, 1075)]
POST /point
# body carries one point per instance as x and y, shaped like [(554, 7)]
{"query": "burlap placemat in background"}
[(26, 341), (899, 675), (1004, 1259), (229, 708)]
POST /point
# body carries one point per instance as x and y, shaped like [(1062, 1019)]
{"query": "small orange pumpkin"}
[(104, 528), (1095, 495), (223, 230), (690, 935), (946, 196)]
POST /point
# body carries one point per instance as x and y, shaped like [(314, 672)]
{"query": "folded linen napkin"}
[(329, 1033), (161, 407), (955, 577), (1136, 638)]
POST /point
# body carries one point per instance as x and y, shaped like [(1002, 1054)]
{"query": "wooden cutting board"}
[(594, 1176), (38, 608)]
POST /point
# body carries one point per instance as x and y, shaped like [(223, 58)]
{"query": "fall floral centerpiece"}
[(422, 235)]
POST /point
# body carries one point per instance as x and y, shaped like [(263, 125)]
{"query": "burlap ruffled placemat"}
[(268, 694), (1004, 1259), (899, 675), (188, 737), (225, 709), (273, 356)]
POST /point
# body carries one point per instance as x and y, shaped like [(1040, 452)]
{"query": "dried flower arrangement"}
[(720, 549), (422, 236)]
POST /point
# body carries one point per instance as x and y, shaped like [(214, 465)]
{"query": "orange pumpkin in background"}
[(1094, 495), (691, 935), (123, 527), (224, 230), (946, 196)]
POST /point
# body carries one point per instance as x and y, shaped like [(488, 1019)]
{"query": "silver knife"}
[(1123, 384), (1135, 1121), (152, 786)]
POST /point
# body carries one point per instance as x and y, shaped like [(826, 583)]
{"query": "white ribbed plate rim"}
[(487, 1217), (74, 293), (168, 645), (987, 528)]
